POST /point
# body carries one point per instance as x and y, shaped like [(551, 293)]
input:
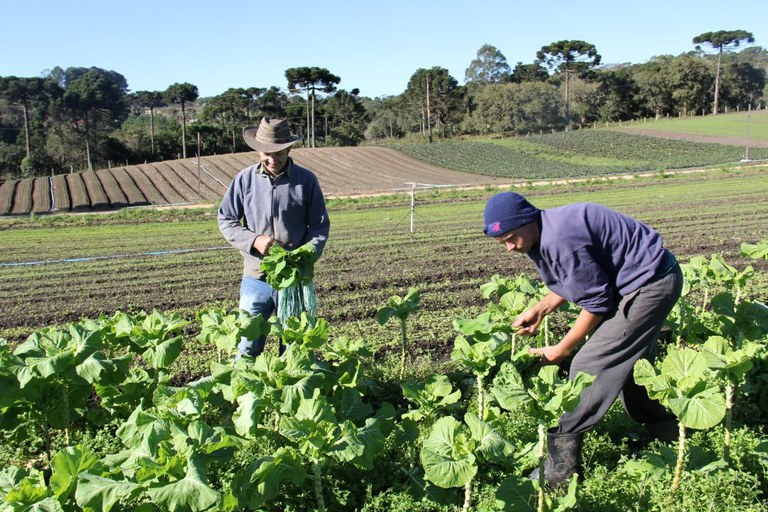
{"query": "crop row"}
[(371, 253), (580, 153)]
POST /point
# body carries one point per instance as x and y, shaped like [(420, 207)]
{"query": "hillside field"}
[(355, 171)]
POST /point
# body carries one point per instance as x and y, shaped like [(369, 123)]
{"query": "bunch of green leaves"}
[(284, 268), (758, 251), (453, 450), (685, 385), (478, 348), (56, 373), (224, 329)]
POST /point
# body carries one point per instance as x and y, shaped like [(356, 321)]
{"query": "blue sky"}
[(373, 46)]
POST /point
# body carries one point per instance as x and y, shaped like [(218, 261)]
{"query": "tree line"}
[(83, 118)]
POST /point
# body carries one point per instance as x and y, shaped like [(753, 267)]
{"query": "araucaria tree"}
[(311, 79), (95, 99), (568, 56), (182, 94), (722, 40)]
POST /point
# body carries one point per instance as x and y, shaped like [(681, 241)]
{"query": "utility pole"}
[(429, 114), (749, 120)]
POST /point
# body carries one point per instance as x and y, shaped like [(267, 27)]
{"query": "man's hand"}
[(262, 244), (527, 321), (550, 355)]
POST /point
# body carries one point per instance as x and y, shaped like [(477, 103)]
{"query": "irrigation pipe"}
[(112, 257)]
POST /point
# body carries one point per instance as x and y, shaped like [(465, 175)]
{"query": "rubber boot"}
[(563, 459), (665, 431)]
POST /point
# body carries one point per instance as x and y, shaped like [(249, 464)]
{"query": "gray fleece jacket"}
[(290, 208)]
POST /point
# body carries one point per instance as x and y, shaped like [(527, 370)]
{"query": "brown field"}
[(342, 172)]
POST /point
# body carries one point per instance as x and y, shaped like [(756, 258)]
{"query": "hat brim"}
[(249, 135)]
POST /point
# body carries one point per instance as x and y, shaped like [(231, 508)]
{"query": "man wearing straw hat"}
[(272, 202)]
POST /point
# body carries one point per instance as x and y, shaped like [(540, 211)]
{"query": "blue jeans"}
[(256, 297)]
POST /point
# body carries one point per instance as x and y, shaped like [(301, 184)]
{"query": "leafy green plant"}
[(481, 342), (758, 251), (291, 273), (545, 397), (57, 372), (322, 435), (401, 308), (684, 384), (452, 451), (224, 329)]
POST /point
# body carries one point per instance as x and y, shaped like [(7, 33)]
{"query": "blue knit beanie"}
[(507, 211)]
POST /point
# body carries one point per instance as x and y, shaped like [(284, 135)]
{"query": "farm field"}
[(354, 171), (170, 260), (735, 128), (341, 172), (59, 269)]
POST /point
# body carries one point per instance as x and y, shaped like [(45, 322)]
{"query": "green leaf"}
[(701, 411), (490, 444), (189, 493), (446, 459), (508, 388), (96, 493), (516, 494), (248, 415), (685, 366), (67, 466), (164, 353), (260, 482)]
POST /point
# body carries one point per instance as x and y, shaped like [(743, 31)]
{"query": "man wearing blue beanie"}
[(626, 283)]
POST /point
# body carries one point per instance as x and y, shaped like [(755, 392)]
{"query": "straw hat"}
[(271, 136)]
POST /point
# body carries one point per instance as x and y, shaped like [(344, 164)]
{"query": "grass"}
[(734, 124)]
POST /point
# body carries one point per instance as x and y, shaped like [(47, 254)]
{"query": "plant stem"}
[(730, 390), (480, 398), (542, 459), (403, 348), (467, 496), (317, 470), (680, 458)]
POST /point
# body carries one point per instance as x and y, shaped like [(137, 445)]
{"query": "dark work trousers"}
[(627, 334)]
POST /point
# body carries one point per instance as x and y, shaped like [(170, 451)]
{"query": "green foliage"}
[(558, 155), (756, 251), (224, 329), (452, 451), (545, 397), (284, 268), (684, 385)]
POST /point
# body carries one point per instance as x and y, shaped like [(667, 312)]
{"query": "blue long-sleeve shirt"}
[(592, 255), (290, 208)]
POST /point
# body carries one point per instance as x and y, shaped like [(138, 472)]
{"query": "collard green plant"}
[(224, 329), (57, 372), (686, 386), (758, 251), (545, 397), (451, 453), (321, 436), (432, 396), (478, 347), (401, 308)]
